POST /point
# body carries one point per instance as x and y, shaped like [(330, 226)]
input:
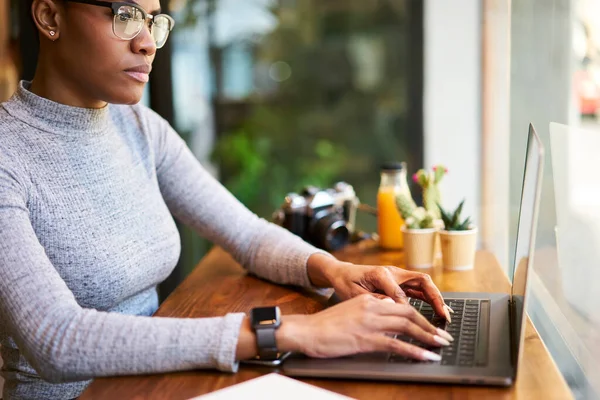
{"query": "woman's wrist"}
[(323, 269), (291, 333), (246, 345), (289, 336)]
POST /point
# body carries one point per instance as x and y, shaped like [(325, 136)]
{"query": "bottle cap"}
[(392, 166)]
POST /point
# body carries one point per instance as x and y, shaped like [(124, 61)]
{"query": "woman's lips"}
[(138, 76), (140, 72)]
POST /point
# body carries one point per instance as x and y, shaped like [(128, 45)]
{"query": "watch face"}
[(265, 316)]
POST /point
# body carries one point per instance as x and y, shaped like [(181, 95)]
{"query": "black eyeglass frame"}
[(115, 6)]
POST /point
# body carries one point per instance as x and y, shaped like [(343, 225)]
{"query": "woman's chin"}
[(128, 96)]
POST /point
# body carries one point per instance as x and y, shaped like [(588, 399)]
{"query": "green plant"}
[(405, 203), (452, 221), (248, 160), (420, 219), (429, 182)]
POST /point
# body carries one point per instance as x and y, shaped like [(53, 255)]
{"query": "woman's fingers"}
[(382, 297), (382, 343), (383, 280), (409, 328), (416, 294), (408, 312), (423, 283)]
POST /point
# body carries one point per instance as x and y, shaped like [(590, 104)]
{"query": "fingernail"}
[(449, 309), (448, 318), (441, 340), (431, 356), (445, 334), (389, 300)]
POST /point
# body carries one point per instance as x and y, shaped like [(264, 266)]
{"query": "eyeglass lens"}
[(129, 22)]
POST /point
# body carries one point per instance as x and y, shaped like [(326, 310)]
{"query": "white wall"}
[(452, 103)]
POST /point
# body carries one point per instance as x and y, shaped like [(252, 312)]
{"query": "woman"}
[(89, 182)]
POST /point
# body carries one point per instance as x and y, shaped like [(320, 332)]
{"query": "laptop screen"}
[(530, 197)]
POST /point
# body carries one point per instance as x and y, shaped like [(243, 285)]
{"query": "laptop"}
[(488, 328)]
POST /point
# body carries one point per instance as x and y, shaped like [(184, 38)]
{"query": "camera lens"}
[(330, 231)]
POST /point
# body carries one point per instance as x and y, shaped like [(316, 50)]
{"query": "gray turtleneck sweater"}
[(87, 233)]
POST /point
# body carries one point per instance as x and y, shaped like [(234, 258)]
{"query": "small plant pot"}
[(458, 249), (419, 247), (439, 224)]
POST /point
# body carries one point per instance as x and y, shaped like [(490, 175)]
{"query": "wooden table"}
[(219, 285)]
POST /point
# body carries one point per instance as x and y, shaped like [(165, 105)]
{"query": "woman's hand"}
[(354, 280), (360, 325), (351, 280)]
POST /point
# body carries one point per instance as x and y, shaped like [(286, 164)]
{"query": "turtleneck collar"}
[(54, 117)]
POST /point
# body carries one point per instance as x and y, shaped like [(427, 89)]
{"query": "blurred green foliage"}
[(341, 113)]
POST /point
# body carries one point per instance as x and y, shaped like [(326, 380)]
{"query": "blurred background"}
[(272, 95)]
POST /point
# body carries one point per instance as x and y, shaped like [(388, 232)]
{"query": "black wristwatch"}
[(265, 321)]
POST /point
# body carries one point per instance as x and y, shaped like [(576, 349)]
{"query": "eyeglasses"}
[(129, 20)]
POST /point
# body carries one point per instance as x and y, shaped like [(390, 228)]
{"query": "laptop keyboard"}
[(469, 347)]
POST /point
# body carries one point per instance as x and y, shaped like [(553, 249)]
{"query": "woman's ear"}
[(46, 16)]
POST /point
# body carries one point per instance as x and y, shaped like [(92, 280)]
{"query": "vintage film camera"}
[(323, 217)]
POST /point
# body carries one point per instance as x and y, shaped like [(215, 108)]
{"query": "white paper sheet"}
[(272, 387)]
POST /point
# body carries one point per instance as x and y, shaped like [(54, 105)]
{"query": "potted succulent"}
[(419, 233), (429, 182), (458, 240)]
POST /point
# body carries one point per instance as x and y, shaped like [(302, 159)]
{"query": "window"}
[(275, 95), (554, 78)]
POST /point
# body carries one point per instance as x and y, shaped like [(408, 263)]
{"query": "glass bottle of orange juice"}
[(389, 220)]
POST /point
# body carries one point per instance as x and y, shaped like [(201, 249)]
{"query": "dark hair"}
[(27, 10), (30, 42)]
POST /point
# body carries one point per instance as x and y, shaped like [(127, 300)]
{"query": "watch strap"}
[(267, 346)]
